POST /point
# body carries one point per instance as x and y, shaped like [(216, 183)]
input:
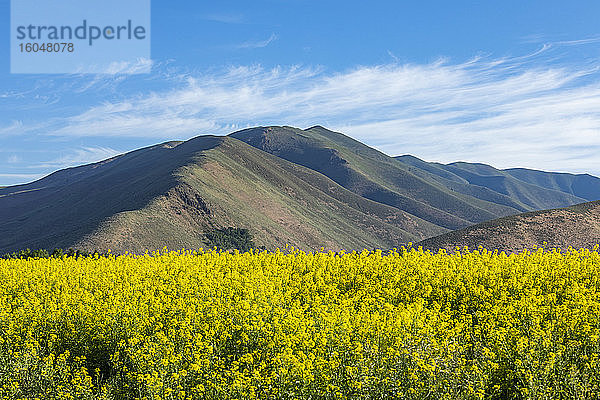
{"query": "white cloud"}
[(139, 66), (14, 128), (580, 41), (257, 43), (29, 177), (79, 156), (519, 111)]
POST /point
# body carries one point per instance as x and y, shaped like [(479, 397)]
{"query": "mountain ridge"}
[(163, 198), (309, 188)]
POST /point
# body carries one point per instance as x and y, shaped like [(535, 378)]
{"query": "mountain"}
[(576, 226), (173, 193), (451, 196), (584, 186), (308, 188), (529, 189), (373, 175)]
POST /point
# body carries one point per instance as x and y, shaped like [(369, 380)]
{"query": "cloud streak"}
[(29, 177), (257, 44), (509, 112), (225, 18), (79, 156), (14, 128)]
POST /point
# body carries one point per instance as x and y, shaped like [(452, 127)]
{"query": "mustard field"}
[(290, 325)]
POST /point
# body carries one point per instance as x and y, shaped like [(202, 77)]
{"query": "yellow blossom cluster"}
[(404, 324)]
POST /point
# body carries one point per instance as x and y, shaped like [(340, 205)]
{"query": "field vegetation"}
[(404, 324)]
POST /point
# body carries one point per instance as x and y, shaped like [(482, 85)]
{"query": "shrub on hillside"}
[(230, 238)]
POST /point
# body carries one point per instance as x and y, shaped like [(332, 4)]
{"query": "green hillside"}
[(522, 189), (171, 194), (307, 188), (584, 186), (376, 176)]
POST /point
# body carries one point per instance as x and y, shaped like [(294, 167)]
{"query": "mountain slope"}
[(583, 186), (527, 189), (170, 194), (436, 193), (576, 226), (307, 188), (58, 210)]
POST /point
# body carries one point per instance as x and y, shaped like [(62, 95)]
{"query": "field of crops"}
[(290, 325)]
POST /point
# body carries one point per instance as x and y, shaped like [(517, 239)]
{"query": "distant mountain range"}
[(308, 188)]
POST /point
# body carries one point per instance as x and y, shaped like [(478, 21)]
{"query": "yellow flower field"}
[(290, 325)]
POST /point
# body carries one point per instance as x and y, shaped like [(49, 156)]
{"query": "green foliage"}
[(43, 253), (230, 238)]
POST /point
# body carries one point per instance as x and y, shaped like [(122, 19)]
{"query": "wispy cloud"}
[(256, 44), (14, 128), (141, 65), (28, 177), (520, 111), (225, 18), (138, 66), (543, 39), (69, 157), (109, 76), (595, 39), (79, 156)]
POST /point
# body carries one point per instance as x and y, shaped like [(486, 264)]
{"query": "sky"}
[(511, 84)]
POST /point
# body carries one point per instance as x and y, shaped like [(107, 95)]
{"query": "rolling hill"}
[(308, 188), (452, 196), (576, 226), (529, 189), (170, 194), (372, 174)]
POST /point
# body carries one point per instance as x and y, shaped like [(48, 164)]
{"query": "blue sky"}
[(505, 83)]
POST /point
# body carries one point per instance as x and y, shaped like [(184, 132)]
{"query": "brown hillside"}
[(173, 194), (576, 226)]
